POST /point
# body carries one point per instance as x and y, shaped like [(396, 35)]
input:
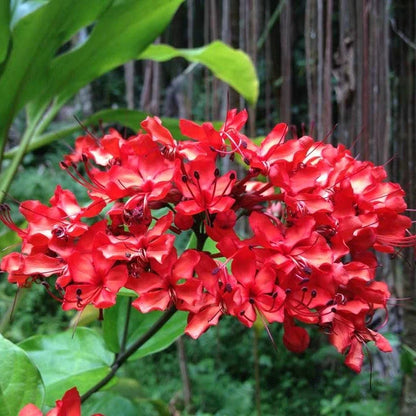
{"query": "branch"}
[(401, 35), (124, 356)]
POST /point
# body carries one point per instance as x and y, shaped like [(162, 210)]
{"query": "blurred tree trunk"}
[(403, 59), (190, 44), (286, 42), (252, 17), (318, 50), (129, 83), (183, 366), (361, 75), (150, 96)]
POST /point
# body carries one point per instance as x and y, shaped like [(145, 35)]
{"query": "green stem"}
[(257, 371), (8, 316), (36, 126), (124, 356)]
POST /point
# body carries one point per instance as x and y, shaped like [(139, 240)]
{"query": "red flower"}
[(217, 296), (69, 405), (316, 217), (204, 189), (170, 283), (95, 280), (349, 333), (258, 292)]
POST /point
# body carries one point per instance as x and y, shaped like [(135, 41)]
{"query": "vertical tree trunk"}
[(190, 33), (268, 71), (286, 62), (226, 37), (404, 124), (345, 74), (252, 16), (207, 83), (129, 83), (183, 365), (327, 73), (150, 96), (311, 55), (214, 26)]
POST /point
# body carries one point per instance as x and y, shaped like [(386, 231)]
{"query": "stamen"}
[(7, 220)]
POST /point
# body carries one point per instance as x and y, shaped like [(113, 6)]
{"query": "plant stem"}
[(124, 356), (257, 371), (8, 315), (126, 328), (34, 128)]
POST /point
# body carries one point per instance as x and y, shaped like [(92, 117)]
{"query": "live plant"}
[(316, 217)]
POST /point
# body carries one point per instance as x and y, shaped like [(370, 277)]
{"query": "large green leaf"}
[(4, 29), (36, 37), (123, 31), (20, 381), (66, 360), (228, 64), (139, 324), (116, 403), (109, 404), (133, 390), (121, 116)]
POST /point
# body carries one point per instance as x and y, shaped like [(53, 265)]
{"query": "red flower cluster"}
[(69, 405), (316, 217)]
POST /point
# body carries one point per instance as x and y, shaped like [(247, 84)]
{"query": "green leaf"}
[(20, 380), (407, 361), (172, 330), (132, 390), (230, 65), (113, 323), (131, 119), (8, 241), (139, 324), (109, 404), (4, 29), (66, 360), (36, 37), (122, 32), (122, 116)]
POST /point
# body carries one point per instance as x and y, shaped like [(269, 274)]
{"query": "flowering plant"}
[(316, 217)]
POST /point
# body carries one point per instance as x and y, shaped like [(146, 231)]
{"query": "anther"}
[(184, 178), (307, 270), (196, 175), (216, 172), (232, 176)]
